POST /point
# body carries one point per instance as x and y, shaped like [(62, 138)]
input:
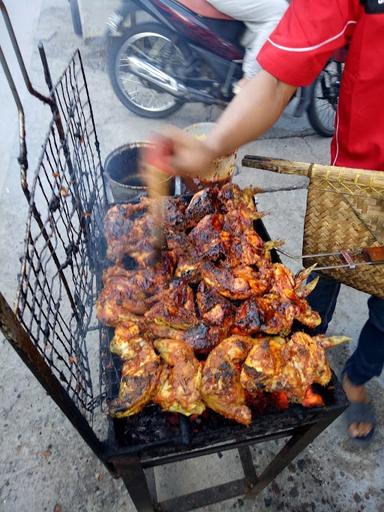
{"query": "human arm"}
[(296, 52), (252, 112)]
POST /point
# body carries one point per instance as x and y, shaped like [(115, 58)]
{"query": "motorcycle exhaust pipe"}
[(167, 83), (155, 76)]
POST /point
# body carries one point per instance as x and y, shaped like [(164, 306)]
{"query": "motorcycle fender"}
[(122, 18)]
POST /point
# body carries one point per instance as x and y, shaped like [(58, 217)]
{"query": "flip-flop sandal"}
[(360, 412)]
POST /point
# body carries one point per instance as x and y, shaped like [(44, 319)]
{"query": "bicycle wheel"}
[(324, 99)]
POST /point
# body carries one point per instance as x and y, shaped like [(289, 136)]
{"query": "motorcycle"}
[(164, 53)]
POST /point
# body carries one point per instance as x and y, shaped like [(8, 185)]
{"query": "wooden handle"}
[(375, 254), (374, 179), (277, 165)]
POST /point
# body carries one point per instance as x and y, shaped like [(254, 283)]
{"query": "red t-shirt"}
[(306, 37)]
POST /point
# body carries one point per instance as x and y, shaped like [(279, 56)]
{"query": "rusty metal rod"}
[(25, 348), (19, 57)]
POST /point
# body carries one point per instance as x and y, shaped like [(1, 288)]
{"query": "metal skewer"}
[(371, 255)]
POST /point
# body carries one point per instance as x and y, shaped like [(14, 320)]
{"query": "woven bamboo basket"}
[(345, 210)]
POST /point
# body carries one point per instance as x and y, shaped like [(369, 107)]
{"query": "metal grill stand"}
[(138, 474), (59, 282)]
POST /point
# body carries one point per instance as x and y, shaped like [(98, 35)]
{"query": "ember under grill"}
[(54, 329)]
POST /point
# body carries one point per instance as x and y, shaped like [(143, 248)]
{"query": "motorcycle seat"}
[(205, 9)]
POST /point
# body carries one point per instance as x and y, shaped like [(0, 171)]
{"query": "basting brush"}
[(158, 175)]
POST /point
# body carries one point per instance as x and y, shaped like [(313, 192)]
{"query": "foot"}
[(357, 394)]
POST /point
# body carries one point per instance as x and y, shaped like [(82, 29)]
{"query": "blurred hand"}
[(190, 157)]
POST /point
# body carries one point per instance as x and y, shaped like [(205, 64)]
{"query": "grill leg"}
[(133, 476), (291, 449), (248, 466)]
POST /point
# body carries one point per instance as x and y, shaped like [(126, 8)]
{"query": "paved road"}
[(24, 15), (44, 464)]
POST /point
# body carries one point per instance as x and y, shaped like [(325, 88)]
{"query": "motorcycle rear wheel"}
[(324, 99), (155, 43)]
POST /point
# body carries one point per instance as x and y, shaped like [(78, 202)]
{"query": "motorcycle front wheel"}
[(324, 99), (155, 44)]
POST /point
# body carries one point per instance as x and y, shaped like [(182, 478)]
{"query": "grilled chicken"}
[(176, 307), (276, 314), (247, 320), (213, 278), (232, 197), (292, 365), (224, 282), (205, 238), (121, 341), (203, 203), (201, 338), (284, 302), (213, 308), (139, 377), (127, 293), (119, 304), (220, 386), (179, 386), (123, 226)]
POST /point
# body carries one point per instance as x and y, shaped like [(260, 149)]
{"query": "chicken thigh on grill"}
[(139, 377), (220, 386), (292, 365), (179, 388)]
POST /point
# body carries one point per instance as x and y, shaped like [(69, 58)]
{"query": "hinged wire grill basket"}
[(62, 254)]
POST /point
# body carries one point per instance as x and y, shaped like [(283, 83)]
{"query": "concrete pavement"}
[(44, 464)]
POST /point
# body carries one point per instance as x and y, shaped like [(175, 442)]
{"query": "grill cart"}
[(54, 330)]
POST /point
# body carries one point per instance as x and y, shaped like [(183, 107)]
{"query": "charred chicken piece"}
[(258, 280), (221, 389), (214, 309), (205, 238), (276, 314), (224, 282), (118, 225), (187, 267), (120, 303), (174, 212), (294, 290), (203, 338), (127, 293), (142, 241), (139, 378), (233, 197), (288, 365), (180, 380), (245, 249), (247, 320), (121, 343), (176, 307), (203, 203)]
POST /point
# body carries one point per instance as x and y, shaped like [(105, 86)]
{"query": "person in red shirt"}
[(295, 53)]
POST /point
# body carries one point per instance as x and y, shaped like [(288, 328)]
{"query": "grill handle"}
[(23, 154)]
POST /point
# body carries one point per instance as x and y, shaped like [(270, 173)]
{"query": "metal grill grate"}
[(61, 264)]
